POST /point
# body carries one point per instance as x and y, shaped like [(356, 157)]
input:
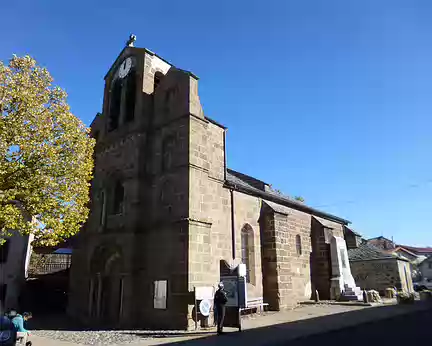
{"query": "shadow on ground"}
[(297, 330), (271, 334)]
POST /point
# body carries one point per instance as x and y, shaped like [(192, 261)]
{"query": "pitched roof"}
[(367, 251), (277, 207), (247, 184), (350, 230), (417, 250)]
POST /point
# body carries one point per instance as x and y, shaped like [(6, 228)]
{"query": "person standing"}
[(220, 299)]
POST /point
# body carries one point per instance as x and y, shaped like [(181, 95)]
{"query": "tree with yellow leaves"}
[(46, 154)]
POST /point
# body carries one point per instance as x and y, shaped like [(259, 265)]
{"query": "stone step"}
[(349, 297)]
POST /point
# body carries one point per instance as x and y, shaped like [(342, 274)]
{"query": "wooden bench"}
[(255, 303)]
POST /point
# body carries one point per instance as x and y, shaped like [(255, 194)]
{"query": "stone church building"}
[(165, 209)]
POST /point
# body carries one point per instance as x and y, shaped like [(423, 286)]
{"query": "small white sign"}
[(242, 269), (205, 292), (160, 294), (204, 307)]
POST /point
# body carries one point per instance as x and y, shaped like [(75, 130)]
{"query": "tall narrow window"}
[(130, 96), (103, 207), (115, 105), (298, 245), (167, 152), (118, 198), (4, 251), (157, 79), (247, 251)]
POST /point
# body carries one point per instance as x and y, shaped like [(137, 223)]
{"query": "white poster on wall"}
[(204, 292), (160, 294)]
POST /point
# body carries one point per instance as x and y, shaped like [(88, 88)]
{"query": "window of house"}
[(298, 245), (430, 265), (115, 105), (4, 251), (247, 251), (130, 96), (118, 198)]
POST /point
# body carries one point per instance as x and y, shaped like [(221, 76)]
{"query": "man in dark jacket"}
[(220, 299)]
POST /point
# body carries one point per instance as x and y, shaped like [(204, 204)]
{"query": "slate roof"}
[(247, 184), (278, 208), (367, 251)]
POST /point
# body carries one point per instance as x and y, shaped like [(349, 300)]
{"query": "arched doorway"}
[(106, 285)]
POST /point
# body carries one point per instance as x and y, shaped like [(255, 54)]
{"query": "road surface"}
[(415, 328)]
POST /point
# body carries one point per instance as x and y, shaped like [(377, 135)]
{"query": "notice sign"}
[(205, 292), (231, 289), (160, 294)]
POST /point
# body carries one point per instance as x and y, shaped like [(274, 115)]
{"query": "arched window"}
[(115, 105), (103, 208), (118, 198), (247, 252), (130, 96), (298, 245)]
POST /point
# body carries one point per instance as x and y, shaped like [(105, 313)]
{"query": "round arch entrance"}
[(106, 286)]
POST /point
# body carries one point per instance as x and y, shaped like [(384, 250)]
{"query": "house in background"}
[(415, 255), (377, 268), (418, 251), (425, 268), (14, 262), (47, 282)]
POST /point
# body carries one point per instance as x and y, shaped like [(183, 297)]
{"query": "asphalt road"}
[(415, 328)]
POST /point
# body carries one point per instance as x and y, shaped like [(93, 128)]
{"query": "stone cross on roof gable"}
[(131, 41)]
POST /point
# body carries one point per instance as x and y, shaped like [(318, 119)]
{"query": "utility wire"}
[(409, 186)]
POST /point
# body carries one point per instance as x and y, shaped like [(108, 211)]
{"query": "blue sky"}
[(330, 100)]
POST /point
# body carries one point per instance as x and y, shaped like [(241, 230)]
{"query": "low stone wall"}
[(377, 274)]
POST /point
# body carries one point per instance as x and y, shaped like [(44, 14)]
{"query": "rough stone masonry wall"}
[(377, 274), (209, 206), (247, 211), (322, 231), (210, 235), (286, 273)]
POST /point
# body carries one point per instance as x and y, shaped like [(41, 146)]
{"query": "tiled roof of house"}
[(255, 187), (367, 251), (417, 250)]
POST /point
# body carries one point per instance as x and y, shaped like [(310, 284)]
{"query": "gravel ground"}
[(90, 337), (104, 337)]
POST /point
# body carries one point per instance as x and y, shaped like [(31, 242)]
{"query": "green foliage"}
[(45, 156), (299, 199)]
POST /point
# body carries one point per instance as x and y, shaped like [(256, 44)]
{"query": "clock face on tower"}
[(125, 67)]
